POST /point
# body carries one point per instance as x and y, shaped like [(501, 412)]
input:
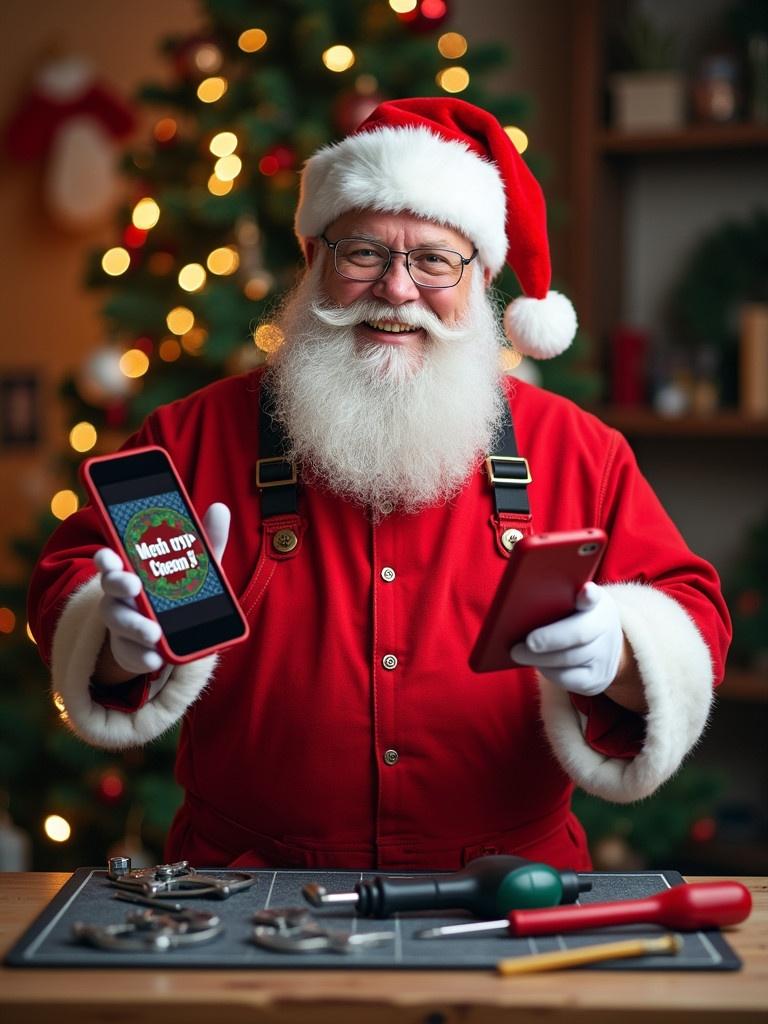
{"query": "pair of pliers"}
[(294, 930), (179, 879)]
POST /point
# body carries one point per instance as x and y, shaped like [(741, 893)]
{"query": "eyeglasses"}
[(359, 259)]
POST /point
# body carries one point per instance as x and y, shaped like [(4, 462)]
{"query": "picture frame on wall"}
[(20, 409)]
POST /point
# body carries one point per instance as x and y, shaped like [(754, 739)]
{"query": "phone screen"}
[(166, 550)]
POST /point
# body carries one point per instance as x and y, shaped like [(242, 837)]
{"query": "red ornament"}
[(278, 158), (111, 786), (144, 345), (427, 16), (703, 830), (116, 415), (133, 237), (351, 108)]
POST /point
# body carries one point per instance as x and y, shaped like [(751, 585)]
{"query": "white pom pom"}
[(541, 328)]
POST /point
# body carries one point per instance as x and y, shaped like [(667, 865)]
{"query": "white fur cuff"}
[(77, 642), (676, 671)]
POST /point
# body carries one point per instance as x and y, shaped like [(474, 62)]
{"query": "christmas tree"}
[(202, 252)]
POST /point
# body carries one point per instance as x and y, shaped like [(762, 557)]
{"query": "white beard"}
[(383, 425)]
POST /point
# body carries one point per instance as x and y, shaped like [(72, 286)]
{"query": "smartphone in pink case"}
[(150, 520), (540, 584)]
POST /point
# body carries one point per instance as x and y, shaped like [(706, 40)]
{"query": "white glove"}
[(133, 636), (582, 652)]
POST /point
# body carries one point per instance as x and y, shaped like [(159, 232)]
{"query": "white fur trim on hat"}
[(541, 328), (77, 641), (676, 670), (407, 169)]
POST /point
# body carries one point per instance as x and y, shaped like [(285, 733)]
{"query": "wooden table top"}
[(56, 996)]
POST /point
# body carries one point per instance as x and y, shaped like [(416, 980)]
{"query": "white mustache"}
[(368, 311)]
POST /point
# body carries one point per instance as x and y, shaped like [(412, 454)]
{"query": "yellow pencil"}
[(589, 954)]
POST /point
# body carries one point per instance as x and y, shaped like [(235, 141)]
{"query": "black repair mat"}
[(88, 897)]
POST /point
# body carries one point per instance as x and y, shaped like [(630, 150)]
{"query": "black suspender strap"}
[(275, 475), (508, 472)]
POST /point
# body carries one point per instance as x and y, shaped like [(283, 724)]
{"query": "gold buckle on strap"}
[(509, 481), (283, 482)]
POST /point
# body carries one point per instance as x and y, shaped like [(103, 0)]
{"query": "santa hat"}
[(450, 162)]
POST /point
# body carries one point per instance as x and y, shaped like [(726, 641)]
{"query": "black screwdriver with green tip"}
[(487, 887)]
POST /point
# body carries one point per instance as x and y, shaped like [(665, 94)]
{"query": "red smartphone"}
[(150, 520), (540, 584)]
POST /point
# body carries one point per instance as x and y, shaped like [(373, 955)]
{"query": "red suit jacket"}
[(287, 742)]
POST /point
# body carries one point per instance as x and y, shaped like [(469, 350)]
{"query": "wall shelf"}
[(644, 422), (690, 139)]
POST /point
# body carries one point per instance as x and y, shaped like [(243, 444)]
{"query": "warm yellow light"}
[(258, 285), (454, 79), (7, 620), (366, 85), (268, 337), (57, 828), (211, 89), (30, 634), (192, 277), (452, 45), (146, 213), (115, 261), (134, 363), (180, 320), (165, 129), (403, 6), (509, 359), (58, 702), (223, 261), (217, 187), (64, 503), (227, 168), (223, 144), (252, 39), (518, 137), (193, 341), (207, 58), (83, 436), (169, 350), (338, 58)]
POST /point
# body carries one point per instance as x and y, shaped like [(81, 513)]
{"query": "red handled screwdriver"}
[(684, 908)]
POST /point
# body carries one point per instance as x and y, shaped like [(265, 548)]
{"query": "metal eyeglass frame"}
[(465, 261)]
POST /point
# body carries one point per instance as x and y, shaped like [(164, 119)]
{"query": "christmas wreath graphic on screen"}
[(166, 551)]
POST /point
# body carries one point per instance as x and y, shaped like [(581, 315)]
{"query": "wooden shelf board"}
[(644, 422), (692, 138)]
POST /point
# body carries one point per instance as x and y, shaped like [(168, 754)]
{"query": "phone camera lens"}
[(588, 549)]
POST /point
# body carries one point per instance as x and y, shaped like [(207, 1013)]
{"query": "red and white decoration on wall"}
[(74, 122)]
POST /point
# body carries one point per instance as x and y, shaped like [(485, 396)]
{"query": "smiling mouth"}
[(390, 327)]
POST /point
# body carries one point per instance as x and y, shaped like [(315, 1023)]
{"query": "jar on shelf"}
[(715, 95)]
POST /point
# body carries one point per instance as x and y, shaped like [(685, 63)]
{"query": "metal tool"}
[(314, 938), (151, 931), (685, 908), (178, 879), (283, 919), (147, 901), (487, 886)]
